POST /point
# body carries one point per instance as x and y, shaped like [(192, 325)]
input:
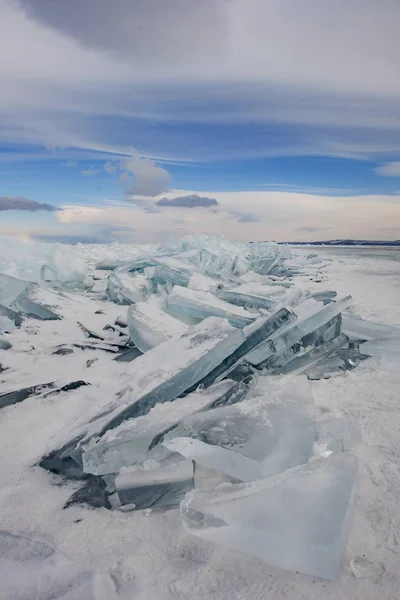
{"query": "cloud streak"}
[(191, 201), (23, 204), (149, 63)]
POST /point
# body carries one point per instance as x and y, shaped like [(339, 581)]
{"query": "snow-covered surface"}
[(138, 555)]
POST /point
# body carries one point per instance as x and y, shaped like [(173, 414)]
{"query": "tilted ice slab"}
[(273, 428), (15, 294), (286, 337), (305, 360), (155, 485), (246, 300), (197, 305), (298, 520), (129, 443), (160, 375), (170, 270), (124, 288), (149, 325), (254, 334), (231, 463)]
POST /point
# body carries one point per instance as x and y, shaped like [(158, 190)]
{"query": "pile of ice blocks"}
[(208, 403)]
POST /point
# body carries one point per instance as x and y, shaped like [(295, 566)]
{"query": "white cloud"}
[(149, 179), (390, 169), (280, 216), (110, 167), (90, 171)]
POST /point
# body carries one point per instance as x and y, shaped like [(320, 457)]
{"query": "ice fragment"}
[(282, 519)]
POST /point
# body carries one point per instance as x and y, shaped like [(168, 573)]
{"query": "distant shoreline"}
[(333, 243)]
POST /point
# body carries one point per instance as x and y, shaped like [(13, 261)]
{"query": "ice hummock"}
[(273, 428), (147, 423), (298, 520), (160, 375), (130, 443)]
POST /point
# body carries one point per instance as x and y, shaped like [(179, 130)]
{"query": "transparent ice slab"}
[(291, 334), (15, 295), (11, 288), (124, 288), (155, 484), (254, 334), (130, 443), (344, 359), (246, 300), (231, 463), (302, 361), (170, 270), (274, 427), (196, 305), (160, 375), (298, 520), (149, 325), (362, 329)]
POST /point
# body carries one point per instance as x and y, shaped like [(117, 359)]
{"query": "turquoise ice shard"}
[(273, 427), (12, 288), (170, 270), (254, 334), (196, 305), (302, 361), (246, 300), (287, 336), (123, 288), (231, 463), (129, 444), (283, 519), (149, 325), (155, 484), (15, 294), (165, 372)]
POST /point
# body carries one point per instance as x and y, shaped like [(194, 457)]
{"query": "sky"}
[(268, 119)]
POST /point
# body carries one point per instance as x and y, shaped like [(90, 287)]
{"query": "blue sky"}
[(287, 113)]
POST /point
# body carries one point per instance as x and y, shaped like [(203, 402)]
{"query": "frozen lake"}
[(138, 556)]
